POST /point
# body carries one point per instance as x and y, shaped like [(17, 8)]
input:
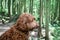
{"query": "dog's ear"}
[(21, 23)]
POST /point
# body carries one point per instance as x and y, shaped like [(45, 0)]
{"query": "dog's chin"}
[(34, 28)]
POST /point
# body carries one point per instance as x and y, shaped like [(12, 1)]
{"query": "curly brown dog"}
[(20, 30)]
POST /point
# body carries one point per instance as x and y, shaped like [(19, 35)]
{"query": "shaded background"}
[(46, 12)]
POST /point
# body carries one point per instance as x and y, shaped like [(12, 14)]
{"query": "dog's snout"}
[(37, 25)]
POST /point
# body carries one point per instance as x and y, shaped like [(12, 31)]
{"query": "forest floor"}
[(4, 27)]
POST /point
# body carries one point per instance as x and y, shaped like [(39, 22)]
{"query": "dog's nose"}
[(37, 25)]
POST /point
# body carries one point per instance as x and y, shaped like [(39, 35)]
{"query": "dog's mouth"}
[(34, 28), (37, 26), (34, 33)]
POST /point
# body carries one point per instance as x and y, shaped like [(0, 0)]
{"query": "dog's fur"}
[(20, 30)]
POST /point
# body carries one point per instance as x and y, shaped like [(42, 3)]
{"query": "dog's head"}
[(26, 22)]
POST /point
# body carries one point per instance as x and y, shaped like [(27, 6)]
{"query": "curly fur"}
[(20, 30)]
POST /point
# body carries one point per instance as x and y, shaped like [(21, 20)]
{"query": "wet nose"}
[(37, 25)]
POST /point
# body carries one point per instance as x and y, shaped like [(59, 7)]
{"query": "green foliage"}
[(56, 33), (16, 7)]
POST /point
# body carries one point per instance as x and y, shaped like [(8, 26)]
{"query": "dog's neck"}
[(24, 32)]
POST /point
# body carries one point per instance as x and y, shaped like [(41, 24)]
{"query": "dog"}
[(20, 30)]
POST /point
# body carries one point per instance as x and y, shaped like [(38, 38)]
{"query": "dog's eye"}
[(25, 22), (34, 18)]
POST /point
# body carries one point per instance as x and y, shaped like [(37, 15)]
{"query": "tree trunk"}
[(59, 11), (13, 7), (9, 4), (25, 6), (31, 7), (40, 10), (47, 22)]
